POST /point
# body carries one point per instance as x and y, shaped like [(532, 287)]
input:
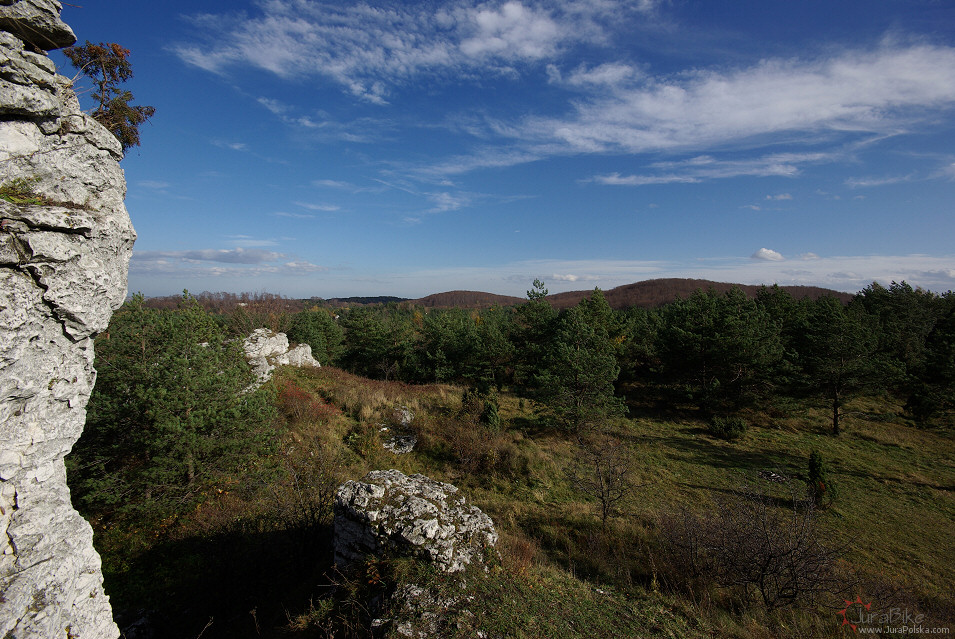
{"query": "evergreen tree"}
[(169, 413), (107, 65), (839, 354), (533, 331), (580, 369), (719, 350), (934, 387), (319, 330)]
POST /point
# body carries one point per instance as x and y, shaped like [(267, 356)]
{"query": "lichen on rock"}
[(388, 511)]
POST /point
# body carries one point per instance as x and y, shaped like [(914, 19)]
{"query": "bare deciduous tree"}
[(759, 545), (603, 470)]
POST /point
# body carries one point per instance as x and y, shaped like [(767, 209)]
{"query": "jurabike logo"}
[(861, 619), (854, 613)]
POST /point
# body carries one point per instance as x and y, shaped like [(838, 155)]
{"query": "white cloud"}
[(615, 179), (780, 196), (870, 91), (154, 184), (317, 207), (882, 181), (293, 215), (556, 277), (232, 146), (332, 184), (370, 49), (250, 241), (947, 171), (276, 107), (707, 167), (229, 256), (610, 74), (444, 201), (768, 255), (512, 31)]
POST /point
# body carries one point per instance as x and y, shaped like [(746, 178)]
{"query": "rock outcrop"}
[(63, 265), (267, 349), (390, 511)]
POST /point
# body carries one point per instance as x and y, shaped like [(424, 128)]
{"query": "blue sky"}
[(407, 148)]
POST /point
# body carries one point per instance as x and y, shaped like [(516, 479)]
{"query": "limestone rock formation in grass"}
[(267, 349), (388, 511)]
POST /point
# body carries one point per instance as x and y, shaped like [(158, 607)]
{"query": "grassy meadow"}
[(254, 557)]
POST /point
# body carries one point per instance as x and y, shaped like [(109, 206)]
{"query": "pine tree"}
[(580, 369), (169, 413), (107, 65)]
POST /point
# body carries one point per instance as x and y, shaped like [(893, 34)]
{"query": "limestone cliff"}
[(63, 267)]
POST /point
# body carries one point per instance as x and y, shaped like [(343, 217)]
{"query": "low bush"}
[(728, 428), (755, 545), (299, 406)]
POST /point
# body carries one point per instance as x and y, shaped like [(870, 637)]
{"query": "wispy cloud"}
[(250, 241), (871, 91), (232, 146), (333, 184), (317, 207), (301, 216), (615, 179), (157, 185), (708, 167), (238, 262), (228, 256), (879, 181), (369, 50)]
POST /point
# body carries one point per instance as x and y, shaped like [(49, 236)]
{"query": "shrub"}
[(819, 487), (754, 547), (299, 406), (728, 428)]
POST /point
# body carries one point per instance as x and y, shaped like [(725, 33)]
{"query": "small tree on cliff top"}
[(107, 65)]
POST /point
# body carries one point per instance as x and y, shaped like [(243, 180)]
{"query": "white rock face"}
[(62, 273), (388, 510), (267, 349)]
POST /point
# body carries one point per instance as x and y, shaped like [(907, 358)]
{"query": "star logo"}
[(845, 611)]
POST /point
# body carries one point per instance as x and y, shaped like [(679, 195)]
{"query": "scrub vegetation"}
[(723, 465)]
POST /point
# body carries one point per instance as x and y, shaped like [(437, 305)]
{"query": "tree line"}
[(170, 411), (713, 352)]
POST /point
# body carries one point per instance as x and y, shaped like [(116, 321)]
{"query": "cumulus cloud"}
[(768, 255), (513, 31), (570, 277)]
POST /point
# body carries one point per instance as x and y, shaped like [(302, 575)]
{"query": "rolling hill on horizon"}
[(646, 294)]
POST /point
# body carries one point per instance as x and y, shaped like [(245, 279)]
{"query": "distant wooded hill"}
[(646, 294)]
